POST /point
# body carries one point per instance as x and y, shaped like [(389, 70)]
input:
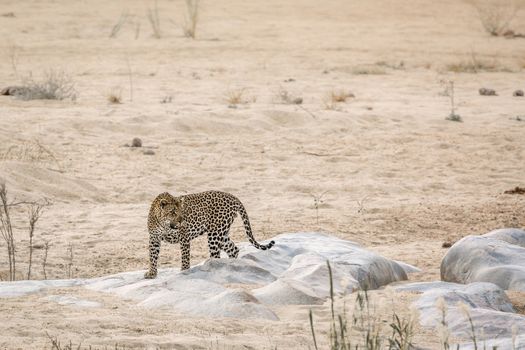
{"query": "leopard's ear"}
[(163, 203)]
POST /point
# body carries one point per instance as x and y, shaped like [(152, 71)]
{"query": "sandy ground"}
[(391, 173)]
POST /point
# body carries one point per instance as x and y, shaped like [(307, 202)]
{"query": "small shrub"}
[(154, 20), (341, 96), (55, 85), (368, 69), (166, 99), (118, 26), (115, 96), (191, 18), (449, 92), (334, 98), (283, 96), (487, 92), (31, 151), (474, 65), (454, 117), (238, 96), (496, 15)]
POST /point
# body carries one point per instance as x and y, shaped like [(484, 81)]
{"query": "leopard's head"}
[(169, 210)]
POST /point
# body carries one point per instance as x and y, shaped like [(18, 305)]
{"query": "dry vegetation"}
[(191, 18), (496, 16), (473, 64), (115, 96), (31, 151), (54, 85), (8, 229), (236, 97)]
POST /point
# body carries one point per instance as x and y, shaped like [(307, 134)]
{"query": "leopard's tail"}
[(249, 233)]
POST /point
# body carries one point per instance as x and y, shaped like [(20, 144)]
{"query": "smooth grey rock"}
[(294, 271), (497, 257), (514, 236), (490, 310)]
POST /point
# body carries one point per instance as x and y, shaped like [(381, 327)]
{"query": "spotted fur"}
[(181, 219)]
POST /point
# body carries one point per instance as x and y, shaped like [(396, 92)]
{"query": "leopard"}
[(180, 219)]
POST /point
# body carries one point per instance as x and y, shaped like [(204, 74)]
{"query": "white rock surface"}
[(74, 301), (20, 288), (497, 257), (294, 271), (492, 314)]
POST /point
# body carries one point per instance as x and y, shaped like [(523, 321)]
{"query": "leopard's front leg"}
[(185, 253), (154, 250)]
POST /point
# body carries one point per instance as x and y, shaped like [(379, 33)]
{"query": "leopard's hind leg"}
[(230, 248)]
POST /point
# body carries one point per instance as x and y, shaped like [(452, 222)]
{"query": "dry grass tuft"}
[(368, 69), (120, 23), (55, 85), (115, 96), (341, 96), (30, 151), (474, 64), (191, 19), (333, 99), (283, 96), (237, 96), (154, 20)]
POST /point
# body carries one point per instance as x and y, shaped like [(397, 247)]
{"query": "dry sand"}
[(394, 175)]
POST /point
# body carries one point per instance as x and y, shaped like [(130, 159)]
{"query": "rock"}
[(294, 271), (497, 257), (73, 301), (487, 92), (13, 91), (148, 152), (136, 142), (491, 311), (20, 288), (518, 93)]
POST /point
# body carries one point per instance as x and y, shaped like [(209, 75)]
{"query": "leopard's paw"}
[(150, 275)]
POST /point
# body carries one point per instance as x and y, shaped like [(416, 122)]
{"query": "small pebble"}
[(487, 92), (298, 100), (148, 152), (136, 142), (518, 93)]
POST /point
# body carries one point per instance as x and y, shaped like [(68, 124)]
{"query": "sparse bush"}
[(191, 18), (334, 98), (473, 64), (496, 15), (35, 210), (368, 69), (449, 92), (6, 228), (154, 20), (118, 26), (341, 96), (238, 96), (31, 151), (56, 345), (115, 96), (55, 85), (166, 99), (283, 96)]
